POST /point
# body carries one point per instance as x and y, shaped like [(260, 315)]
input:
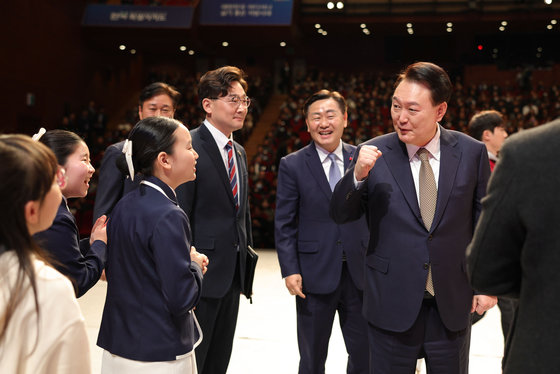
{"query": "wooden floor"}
[(265, 340)]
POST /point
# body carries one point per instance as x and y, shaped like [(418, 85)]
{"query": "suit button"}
[(338, 242), (348, 195), (426, 266), (430, 237)]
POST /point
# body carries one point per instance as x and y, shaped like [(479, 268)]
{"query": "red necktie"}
[(232, 174)]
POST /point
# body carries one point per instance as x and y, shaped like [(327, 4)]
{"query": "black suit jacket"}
[(112, 183), (218, 228), (515, 251)]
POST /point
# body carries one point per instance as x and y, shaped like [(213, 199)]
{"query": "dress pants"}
[(218, 319), (445, 352), (315, 316)]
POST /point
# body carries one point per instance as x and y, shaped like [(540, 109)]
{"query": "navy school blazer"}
[(152, 283), (71, 256)]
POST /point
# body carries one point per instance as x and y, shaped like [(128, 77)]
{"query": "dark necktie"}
[(428, 200), (334, 171), (232, 174)]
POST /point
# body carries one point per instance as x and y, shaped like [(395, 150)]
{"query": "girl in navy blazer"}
[(82, 261), (154, 276)]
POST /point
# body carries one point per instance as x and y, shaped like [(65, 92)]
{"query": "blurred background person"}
[(156, 99)]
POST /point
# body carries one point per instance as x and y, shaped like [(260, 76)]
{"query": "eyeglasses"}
[(61, 178), (235, 101)]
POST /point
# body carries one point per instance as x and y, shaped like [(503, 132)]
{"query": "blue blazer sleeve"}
[(181, 280), (286, 220), (78, 261)]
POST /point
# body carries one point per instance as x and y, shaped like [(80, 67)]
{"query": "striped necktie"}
[(232, 174)]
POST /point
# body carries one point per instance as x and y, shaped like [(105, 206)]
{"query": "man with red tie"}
[(218, 209)]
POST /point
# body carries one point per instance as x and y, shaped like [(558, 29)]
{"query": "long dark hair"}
[(149, 137), (27, 170), (63, 143)]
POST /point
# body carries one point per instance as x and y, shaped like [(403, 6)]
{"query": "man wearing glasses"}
[(218, 209)]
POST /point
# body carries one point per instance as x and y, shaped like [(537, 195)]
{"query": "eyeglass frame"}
[(235, 100)]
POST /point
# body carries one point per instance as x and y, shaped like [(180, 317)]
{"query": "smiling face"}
[(414, 115), (325, 123), (224, 114), (78, 172)]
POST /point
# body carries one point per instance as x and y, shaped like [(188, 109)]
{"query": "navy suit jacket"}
[(152, 284), (112, 183), (400, 247), (218, 228), (73, 257), (308, 241)]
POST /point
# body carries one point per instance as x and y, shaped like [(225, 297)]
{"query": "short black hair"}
[(323, 95), (430, 75), (159, 88), (485, 120), (216, 83)]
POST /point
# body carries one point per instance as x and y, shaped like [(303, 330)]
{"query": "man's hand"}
[(482, 303), (366, 160), (294, 284)]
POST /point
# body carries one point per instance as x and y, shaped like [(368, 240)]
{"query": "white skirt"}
[(113, 364)]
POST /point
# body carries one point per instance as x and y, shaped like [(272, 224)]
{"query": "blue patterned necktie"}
[(334, 171)]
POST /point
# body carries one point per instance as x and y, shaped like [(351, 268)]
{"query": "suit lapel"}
[(211, 148), (347, 153), (398, 164), (316, 169), (241, 171), (450, 155)]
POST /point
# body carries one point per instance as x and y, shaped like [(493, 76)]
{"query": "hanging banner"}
[(246, 12), (179, 17)]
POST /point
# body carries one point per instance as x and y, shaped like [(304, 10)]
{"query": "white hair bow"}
[(37, 136), (127, 150)]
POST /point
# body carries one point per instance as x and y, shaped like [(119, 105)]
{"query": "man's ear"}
[(207, 105), (486, 135), (442, 108), (140, 112), (31, 212)]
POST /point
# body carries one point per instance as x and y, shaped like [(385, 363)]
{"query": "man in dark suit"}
[(218, 208), (156, 99), (488, 127), (420, 188), (515, 251), (322, 262)]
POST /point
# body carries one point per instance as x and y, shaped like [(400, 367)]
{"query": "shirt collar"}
[(219, 137), (433, 147), (323, 154), (169, 192), (492, 156)]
